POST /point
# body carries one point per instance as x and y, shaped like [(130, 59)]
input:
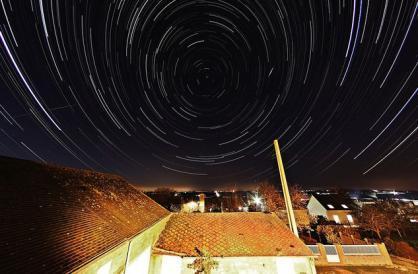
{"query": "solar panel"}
[(360, 250), (314, 249), (330, 250)]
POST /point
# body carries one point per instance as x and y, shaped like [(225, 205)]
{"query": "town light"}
[(193, 205), (257, 200)]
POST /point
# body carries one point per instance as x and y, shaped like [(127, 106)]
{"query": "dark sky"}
[(192, 93)]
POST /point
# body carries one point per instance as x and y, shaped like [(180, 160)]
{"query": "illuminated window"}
[(344, 206), (350, 219), (330, 206), (336, 219)]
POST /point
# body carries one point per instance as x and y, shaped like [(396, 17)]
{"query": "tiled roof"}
[(54, 219), (229, 235)]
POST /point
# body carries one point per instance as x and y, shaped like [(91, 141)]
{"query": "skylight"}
[(330, 206), (344, 206)]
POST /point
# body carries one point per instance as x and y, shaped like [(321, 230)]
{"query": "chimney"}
[(202, 202)]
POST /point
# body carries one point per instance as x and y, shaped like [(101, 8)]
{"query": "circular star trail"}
[(192, 93)]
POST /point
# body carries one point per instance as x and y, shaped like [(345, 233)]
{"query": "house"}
[(252, 242), (333, 207), (63, 220)]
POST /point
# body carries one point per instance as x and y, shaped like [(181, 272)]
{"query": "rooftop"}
[(334, 201), (59, 218), (229, 235)]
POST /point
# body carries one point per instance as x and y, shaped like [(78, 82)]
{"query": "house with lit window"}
[(333, 207)]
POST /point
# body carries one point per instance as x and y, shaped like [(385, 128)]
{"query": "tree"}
[(374, 217), (384, 216), (272, 199), (331, 233), (397, 216), (164, 190), (204, 263), (298, 197), (392, 217), (347, 231), (408, 212)]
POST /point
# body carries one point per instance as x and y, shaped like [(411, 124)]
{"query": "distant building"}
[(361, 198), (208, 201), (407, 201), (401, 196), (333, 207), (239, 242)]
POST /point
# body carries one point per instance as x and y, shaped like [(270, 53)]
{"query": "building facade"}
[(333, 208), (238, 243)]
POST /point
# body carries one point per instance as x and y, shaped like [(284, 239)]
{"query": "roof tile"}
[(229, 235)]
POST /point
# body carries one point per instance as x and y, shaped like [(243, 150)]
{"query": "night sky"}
[(192, 93)]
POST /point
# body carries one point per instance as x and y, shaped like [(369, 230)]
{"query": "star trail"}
[(192, 93)]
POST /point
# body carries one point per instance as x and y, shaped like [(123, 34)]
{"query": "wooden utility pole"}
[(289, 209)]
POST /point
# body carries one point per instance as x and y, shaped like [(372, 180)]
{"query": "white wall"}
[(243, 265), (315, 208)]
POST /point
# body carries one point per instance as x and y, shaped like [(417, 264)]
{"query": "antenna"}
[(286, 194)]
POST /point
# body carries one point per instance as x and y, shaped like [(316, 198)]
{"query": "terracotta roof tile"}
[(55, 219), (229, 235)]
